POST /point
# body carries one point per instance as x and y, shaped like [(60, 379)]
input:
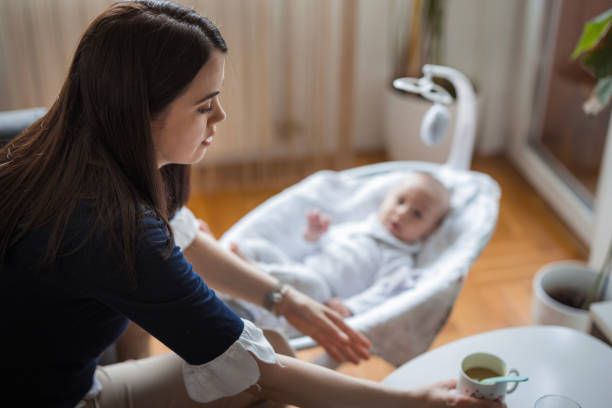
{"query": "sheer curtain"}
[(288, 86)]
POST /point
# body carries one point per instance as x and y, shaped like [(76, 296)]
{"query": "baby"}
[(355, 266)]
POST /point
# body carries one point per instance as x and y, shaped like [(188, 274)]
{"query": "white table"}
[(557, 360)]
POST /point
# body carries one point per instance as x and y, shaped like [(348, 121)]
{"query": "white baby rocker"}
[(405, 325)]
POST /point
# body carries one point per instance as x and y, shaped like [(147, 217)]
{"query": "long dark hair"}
[(95, 144)]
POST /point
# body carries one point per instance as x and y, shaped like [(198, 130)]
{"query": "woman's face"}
[(185, 128)]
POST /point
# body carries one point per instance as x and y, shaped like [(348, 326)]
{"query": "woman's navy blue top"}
[(58, 319)]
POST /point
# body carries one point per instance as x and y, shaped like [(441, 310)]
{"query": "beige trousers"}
[(157, 382)]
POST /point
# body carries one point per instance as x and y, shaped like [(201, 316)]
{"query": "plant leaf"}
[(603, 90), (594, 30), (599, 59)]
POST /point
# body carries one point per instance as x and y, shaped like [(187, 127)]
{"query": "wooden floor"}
[(497, 292)]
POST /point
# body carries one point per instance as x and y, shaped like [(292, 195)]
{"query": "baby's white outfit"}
[(359, 262)]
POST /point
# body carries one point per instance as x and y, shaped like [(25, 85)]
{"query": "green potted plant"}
[(564, 291)]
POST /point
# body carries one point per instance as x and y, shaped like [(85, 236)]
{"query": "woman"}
[(86, 244)]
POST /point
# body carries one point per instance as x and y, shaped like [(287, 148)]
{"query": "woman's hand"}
[(439, 395), (325, 326), (337, 305)]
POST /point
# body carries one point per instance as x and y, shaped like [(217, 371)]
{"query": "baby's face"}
[(413, 210)]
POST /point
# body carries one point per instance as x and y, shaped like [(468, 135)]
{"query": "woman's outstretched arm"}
[(228, 273), (308, 385)]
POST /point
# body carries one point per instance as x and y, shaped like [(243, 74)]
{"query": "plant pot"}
[(562, 277)]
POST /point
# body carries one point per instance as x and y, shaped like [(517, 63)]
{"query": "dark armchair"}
[(15, 121)]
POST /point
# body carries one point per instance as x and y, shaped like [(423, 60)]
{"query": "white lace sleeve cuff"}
[(185, 227), (233, 371)]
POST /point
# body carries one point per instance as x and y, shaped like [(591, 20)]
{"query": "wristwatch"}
[(274, 297)]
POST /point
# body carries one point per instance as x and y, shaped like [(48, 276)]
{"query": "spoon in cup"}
[(497, 380)]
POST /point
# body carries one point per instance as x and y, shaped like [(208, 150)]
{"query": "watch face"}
[(274, 297)]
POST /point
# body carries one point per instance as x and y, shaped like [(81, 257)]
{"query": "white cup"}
[(474, 388)]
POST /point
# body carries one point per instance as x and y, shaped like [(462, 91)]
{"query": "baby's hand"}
[(338, 306), (317, 225)]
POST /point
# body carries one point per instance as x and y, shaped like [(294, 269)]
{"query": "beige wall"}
[(284, 89), (480, 39)]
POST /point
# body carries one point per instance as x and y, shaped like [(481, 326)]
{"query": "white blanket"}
[(405, 325)]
